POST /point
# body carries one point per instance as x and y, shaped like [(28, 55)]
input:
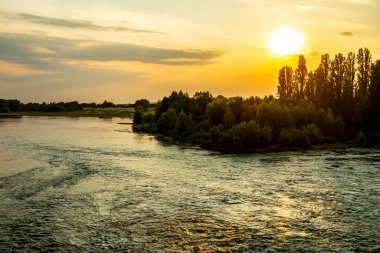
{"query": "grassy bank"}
[(88, 112)]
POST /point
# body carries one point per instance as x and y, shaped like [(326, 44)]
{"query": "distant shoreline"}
[(97, 112)]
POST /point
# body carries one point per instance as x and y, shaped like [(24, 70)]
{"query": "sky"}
[(124, 50)]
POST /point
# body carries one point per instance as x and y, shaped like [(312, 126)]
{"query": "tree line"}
[(333, 104), (14, 105), (348, 85)]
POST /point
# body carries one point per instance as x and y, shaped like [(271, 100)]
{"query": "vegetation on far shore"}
[(87, 112), (338, 103), (13, 107)]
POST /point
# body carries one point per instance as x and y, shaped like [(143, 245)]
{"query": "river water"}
[(92, 185)]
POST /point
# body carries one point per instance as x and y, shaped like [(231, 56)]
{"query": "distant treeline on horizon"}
[(14, 105), (338, 102)]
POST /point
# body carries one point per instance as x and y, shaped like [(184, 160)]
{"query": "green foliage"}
[(107, 104), (325, 105), (4, 106), (361, 139), (142, 104), (167, 122), (138, 117), (374, 89), (265, 136), (285, 138), (240, 125), (294, 138), (216, 110), (10, 105), (314, 134), (184, 127), (229, 119), (300, 138), (54, 107), (148, 118)]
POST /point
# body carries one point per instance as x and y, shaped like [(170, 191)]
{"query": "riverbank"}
[(273, 148), (86, 112), (10, 115)]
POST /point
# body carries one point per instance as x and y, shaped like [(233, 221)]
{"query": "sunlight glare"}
[(286, 42)]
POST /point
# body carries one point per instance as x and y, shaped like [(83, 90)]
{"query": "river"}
[(92, 185)]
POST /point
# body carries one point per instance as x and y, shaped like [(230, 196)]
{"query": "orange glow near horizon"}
[(123, 51)]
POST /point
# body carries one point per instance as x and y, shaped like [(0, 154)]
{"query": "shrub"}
[(314, 134), (361, 139), (285, 138), (137, 117)]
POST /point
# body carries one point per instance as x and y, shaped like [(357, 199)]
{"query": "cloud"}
[(346, 34), (41, 51), (78, 24), (314, 53), (306, 7), (129, 52)]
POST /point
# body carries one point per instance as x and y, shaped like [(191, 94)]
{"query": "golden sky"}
[(88, 50)]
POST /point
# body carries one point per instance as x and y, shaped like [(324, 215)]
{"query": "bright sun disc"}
[(286, 42)]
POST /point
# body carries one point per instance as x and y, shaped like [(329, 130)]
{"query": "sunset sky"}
[(123, 50)]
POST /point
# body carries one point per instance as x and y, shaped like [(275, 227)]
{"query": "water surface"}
[(91, 185)]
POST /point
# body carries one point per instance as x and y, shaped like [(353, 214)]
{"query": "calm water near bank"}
[(92, 185)]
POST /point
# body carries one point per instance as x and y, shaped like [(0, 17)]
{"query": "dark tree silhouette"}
[(300, 77), (142, 104), (374, 89), (348, 87), (285, 82), (337, 81), (364, 69), (310, 86)]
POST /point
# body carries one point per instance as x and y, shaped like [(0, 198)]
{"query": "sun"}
[(286, 42)]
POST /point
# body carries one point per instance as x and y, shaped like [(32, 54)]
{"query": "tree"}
[(179, 101), (300, 77), (183, 126), (4, 106), (374, 89), (216, 110), (310, 87), (364, 70), (348, 87), (314, 133), (337, 81), (285, 82), (167, 122), (325, 92), (137, 117), (285, 138), (142, 104), (202, 99), (229, 119), (235, 104), (362, 103), (107, 104)]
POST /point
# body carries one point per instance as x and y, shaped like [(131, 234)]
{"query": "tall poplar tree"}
[(348, 87), (300, 77), (337, 80), (285, 82)]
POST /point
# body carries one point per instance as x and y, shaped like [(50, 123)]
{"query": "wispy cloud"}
[(78, 24), (346, 34), (306, 7), (314, 53), (39, 51)]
